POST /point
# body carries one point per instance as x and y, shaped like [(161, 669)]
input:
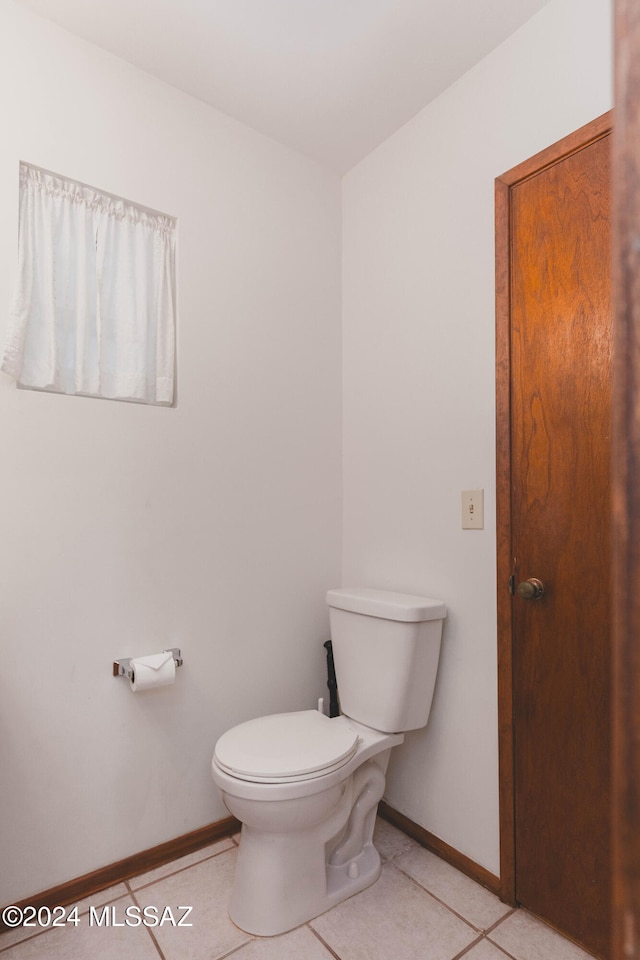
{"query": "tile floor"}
[(420, 909)]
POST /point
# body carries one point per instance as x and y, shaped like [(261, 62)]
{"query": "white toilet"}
[(306, 787)]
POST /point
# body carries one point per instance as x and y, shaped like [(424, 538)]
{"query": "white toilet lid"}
[(285, 747)]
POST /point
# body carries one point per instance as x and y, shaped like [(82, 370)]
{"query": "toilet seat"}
[(286, 747)]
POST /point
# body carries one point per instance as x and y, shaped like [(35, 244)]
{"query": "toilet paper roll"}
[(157, 670)]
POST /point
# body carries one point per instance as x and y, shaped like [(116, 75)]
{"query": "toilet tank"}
[(386, 648)]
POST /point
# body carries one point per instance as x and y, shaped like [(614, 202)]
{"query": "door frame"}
[(626, 485), (504, 184)]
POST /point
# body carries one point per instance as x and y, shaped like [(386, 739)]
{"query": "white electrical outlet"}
[(473, 509)]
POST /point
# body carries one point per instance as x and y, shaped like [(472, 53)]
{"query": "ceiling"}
[(330, 78)]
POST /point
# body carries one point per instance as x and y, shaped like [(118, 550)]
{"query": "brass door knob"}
[(531, 589)]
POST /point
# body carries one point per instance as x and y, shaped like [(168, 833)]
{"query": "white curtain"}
[(94, 307)]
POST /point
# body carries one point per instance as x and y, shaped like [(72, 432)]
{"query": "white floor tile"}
[(206, 887), (97, 899), (527, 938), (393, 918), (485, 951), (9, 937), (87, 939), (300, 944), (465, 896), (187, 861), (389, 841)]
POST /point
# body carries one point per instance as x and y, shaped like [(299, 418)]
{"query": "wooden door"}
[(560, 336)]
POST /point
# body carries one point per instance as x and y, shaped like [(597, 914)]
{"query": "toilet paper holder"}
[(123, 668)]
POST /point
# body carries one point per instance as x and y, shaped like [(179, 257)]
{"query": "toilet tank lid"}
[(386, 604)]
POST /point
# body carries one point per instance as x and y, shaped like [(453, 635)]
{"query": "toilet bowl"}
[(306, 787)]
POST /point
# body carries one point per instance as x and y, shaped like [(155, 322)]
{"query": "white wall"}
[(418, 315), (214, 526)]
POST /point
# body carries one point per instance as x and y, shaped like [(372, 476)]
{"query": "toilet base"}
[(350, 878), (284, 879), (340, 886)]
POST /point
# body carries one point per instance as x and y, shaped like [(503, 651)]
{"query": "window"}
[(94, 307)]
